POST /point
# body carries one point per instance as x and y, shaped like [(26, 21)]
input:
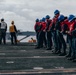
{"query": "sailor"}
[(61, 31), (54, 31), (13, 31), (72, 37), (37, 30), (43, 33), (3, 29), (48, 32)]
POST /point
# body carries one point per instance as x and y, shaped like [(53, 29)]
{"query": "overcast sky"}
[(24, 12)]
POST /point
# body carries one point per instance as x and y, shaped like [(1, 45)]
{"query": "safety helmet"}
[(43, 19), (47, 16), (71, 17), (37, 20), (61, 18), (56, 12)]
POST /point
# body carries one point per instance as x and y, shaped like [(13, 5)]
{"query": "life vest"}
[(12, 28), (50, 25), (67, 23), (48, 22), (72, 25), (3, 25), (54, 20), (37, 26), (43, 25), (62, 26)]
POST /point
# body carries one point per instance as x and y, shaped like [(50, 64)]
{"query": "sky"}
[(25, 12)]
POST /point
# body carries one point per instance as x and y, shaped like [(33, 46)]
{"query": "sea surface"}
[(20, 37)]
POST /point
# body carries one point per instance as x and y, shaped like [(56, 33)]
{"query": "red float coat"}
[(54, 21), (43, 26), (72, 26), (36, 27), (65, 25), (48, 24)]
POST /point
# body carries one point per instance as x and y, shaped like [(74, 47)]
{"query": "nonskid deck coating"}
[(23, 58)]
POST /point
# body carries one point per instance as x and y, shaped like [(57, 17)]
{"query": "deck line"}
[(32, 57), (32, 71)]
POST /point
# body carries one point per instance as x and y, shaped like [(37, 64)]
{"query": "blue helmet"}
[(71, 17), (56, 12), (47, 16), (43, 19), (61, 17), (37, 20)]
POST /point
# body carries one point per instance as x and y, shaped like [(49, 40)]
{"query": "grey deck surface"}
[(23, 59)]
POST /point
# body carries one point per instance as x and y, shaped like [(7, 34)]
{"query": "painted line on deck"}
[(37, 68), (41, 71), (18, 51), (2, 53), (32, 57)]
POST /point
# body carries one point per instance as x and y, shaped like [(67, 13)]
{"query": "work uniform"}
[(62, 33), (72, 39), (49, 34), (54, 34), (43, 34), (58, 34), (13, 32), (74, 44), (37, 30), (54, 31), (3, 29)]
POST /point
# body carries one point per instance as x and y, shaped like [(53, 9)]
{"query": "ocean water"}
[(20, 37), (26, 39)]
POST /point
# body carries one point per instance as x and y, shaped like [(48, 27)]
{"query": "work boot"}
[(49, 49), (37, 47), (74, 60), (62, 54), (58, 52), (71, 58), (68, 56)]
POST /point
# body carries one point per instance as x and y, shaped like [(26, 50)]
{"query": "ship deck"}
[(24, 59)]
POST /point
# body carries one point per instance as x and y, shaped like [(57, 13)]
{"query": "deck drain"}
[(38, 68), (10, 62)]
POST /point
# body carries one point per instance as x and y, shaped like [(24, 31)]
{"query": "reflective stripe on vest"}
[(3, 25)]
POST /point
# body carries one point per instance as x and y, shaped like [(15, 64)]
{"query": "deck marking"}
[(32, 57), (10, 62), (36, 56), (22, 50), (59, 67), (38, 68), (2, 53)]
